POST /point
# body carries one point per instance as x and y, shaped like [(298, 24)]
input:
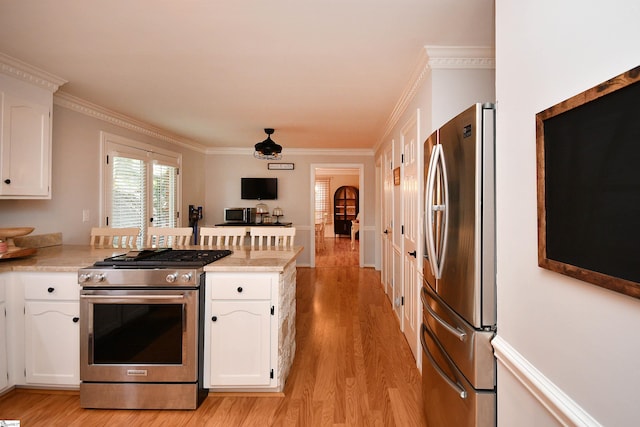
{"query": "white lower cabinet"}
[(51, 329), (52, 343), (240, 343), (240, 347)]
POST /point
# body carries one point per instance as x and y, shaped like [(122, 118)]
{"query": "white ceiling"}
[(323, 73)]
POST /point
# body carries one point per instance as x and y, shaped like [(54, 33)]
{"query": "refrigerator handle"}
[(458, 389), (428, 212), (436, 260), (461, 335)]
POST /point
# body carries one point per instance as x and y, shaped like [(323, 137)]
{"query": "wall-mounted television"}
[(259, 188), (588, 157)]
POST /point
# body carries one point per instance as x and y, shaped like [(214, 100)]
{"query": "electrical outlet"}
[(86, 215)]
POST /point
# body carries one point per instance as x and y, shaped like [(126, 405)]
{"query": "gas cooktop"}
[(158, 258)]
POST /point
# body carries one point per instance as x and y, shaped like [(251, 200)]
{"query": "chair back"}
[(268, 237), (164, 237), (114, 237), (222, 236)]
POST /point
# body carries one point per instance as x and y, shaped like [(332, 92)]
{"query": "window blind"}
[(164, 195), (322, 199)]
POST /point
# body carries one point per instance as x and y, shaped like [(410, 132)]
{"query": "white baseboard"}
[(552, 398)]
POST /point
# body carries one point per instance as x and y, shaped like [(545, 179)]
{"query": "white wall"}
[(223, 173), (581, 339), (76, 178)]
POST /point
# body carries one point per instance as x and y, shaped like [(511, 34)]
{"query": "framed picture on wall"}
[(588, 185)]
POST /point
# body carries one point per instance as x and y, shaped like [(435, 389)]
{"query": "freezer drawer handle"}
[(458, 389), (462, 335)]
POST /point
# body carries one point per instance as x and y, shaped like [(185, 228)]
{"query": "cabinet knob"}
[(239, 289), (50, 290), (214, 318), (76, 319), (7, 181)]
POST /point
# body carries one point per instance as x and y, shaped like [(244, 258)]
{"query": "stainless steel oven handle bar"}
[(461, 335), (146, 297), (458, 389)]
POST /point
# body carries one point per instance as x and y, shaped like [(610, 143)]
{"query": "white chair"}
[(164, 237), (320, 230), (114, 237), (222, 236), (355, 227), (269, 237)]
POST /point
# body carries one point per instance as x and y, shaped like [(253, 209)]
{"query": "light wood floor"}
[(337, 251), (352, 368)]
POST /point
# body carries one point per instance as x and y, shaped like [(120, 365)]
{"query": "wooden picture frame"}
[(280, 166), (396, 176), (588, 190)]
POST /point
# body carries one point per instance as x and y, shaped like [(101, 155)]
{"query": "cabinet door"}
[(345, 209), (4, 380), (25, 149), (240, 343), (52, 343)]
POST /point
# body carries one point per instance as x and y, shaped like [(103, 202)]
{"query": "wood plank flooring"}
[(352, 368), (337, 251)]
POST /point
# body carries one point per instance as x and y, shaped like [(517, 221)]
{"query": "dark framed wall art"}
[(588, 185)]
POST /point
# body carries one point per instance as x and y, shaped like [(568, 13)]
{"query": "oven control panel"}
[(96, 277)]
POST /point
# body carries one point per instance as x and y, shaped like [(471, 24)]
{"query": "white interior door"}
[(387, 222), (410, 183)]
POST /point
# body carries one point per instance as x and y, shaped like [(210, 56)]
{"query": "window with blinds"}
[(164, 196), (129, 182), (322, 199), (141, 186)]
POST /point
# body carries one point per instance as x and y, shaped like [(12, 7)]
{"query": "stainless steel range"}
[(141, 332)]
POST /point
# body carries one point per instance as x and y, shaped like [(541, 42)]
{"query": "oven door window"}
[(138, 334)]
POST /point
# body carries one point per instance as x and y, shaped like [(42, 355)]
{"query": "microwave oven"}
[(240, 215)]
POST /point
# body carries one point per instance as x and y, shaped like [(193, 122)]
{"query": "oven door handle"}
[(147, 297)]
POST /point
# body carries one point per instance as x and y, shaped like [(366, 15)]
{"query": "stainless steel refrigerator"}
[(459, 290)]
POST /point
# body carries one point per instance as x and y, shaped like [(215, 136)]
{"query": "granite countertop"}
[(70, 258)]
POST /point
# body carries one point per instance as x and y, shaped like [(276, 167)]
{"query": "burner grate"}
[(165, 258)]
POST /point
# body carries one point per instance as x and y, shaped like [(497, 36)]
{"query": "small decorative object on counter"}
[(3, 247), (261, 210), (277, 212)]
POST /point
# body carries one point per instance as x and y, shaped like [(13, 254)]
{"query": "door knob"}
[(413, 254), (7, 181)]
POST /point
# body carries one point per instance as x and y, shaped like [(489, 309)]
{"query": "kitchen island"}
[(41, 295)]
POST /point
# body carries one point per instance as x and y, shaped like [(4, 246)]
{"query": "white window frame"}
[(115, 144)]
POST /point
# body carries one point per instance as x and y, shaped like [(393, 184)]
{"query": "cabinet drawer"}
[(50, 286), (241, 286)]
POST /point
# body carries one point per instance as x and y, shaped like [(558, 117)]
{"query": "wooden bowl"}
[(11, 232)]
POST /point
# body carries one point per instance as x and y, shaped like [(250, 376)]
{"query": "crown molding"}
[(417, 77), (457, 57), (437, 57), (30, 74), (294, 151), (87, 108)]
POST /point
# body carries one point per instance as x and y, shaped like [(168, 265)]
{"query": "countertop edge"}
[(71, 258)]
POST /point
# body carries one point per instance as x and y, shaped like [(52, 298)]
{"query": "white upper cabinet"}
[(26, 104)]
